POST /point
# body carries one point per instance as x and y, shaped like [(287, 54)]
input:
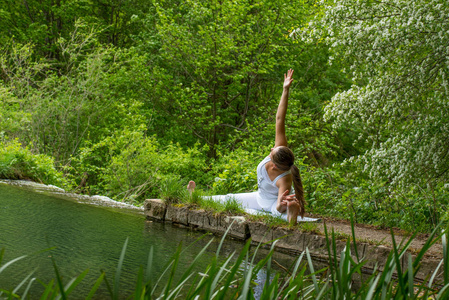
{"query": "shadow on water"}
[(90, 235)]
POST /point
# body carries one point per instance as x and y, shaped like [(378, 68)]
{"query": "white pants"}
[(250, 203)]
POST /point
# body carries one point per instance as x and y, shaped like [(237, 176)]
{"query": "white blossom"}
[(400, 50)]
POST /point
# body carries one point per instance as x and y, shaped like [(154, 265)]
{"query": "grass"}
[(173, 192), (223, 279)]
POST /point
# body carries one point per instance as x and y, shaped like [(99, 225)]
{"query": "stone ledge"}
[(289, 240)]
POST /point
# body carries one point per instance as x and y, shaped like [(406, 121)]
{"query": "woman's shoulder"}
[(283, 179)]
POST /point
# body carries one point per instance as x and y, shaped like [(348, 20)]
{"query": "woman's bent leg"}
[(247, 200)]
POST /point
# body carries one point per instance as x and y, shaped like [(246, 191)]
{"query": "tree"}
[(398, 57), (81, 99), (217, 65), (43, 22)]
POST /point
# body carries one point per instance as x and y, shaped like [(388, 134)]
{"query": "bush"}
[(235, 172), (130, 166), (17, 162)]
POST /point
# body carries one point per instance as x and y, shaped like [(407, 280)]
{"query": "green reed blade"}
[(312, 272), (74, 282), (295, 270), (11, 262), (48, 290), (175, 292), (235, 268), (444, 292), (218, 275), (9, 294), (396, 257), (246, 283), (119, 270), (372, 289), (169, 264), (58, 279), (27, 289), (22, 283), (173, 270), (435, 273), (432, 239), (329, 255), (223, 238), (445, 259), (354, 239), (139, 289), (411, 292), (195, 260), (324, 291), (95, 286), (149, 265)]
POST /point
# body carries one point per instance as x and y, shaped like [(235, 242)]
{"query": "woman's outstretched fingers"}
[(288, 78)]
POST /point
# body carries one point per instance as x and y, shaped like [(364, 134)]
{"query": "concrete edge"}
[(290, 241)]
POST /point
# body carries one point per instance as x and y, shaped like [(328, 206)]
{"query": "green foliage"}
[(235, 172), (85, 97), (172, 190), (12, 119), (18, 162), (132, 166), (43, 22), (219, 66), (131, 98), (344, 192)]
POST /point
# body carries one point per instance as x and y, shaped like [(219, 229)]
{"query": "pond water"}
[(88, 236)]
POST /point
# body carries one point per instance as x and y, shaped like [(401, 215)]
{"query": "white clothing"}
[(267, 189), (265, 199)]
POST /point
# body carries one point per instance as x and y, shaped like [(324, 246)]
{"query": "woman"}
[(275, 174)]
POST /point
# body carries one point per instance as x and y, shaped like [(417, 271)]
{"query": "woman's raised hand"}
[(288, 79)]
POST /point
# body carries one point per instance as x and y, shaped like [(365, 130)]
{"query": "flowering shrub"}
[(399, 62)]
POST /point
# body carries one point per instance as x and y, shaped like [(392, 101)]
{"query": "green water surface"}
[(86, 236)]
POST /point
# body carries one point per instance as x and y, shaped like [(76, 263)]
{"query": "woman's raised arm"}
[(281, 139)]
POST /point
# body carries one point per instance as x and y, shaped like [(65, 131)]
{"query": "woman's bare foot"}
[(292, 212), (191, 186)]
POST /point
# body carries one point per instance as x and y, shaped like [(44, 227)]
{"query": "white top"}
[(268, 191)]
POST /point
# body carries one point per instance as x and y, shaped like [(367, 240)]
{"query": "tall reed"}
[(234, 276)]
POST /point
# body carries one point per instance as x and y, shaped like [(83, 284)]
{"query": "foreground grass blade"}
[(223, 238), (74, 283), (312, 272), (95, 287), (58, 279), (445, 259), (233, 271), (27, 289), (119, 270), (21, 284), (11, 262)]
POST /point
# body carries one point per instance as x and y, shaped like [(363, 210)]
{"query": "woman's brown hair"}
[(284, 159)]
